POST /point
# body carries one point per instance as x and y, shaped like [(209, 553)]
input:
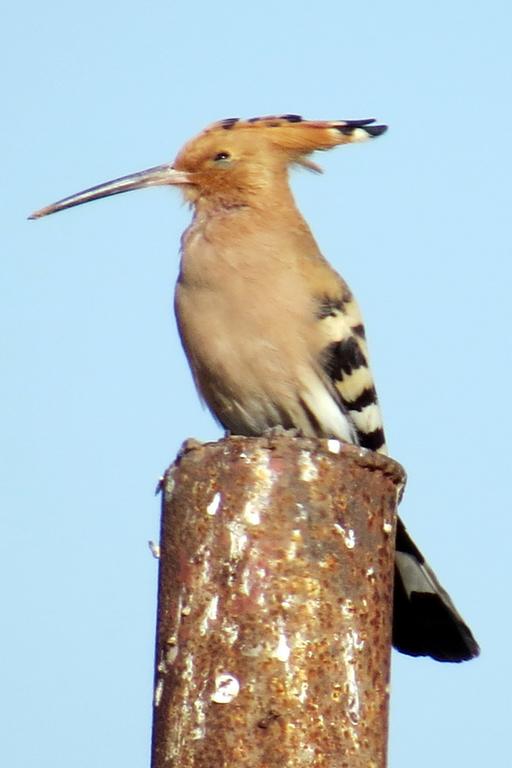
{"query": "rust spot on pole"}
[(274, 615)]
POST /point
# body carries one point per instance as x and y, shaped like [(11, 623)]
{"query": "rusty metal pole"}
[(274, 607)]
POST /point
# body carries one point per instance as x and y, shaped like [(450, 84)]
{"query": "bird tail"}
[(425, 621)]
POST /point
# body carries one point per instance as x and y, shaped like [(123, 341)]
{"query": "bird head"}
[(234, 160)]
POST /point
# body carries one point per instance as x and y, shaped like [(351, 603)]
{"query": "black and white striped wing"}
[(345, 360)]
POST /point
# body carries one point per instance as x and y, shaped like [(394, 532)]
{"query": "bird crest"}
[(280, 140), (293, 131), (290, 133)]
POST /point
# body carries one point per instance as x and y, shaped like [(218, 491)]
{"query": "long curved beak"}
[(152, 177)]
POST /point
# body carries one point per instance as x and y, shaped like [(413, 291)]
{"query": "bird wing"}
[(345, 361)]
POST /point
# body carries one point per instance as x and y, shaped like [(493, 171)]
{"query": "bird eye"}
[(222, 156)]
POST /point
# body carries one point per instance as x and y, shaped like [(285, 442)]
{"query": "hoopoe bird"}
[(272, 333)]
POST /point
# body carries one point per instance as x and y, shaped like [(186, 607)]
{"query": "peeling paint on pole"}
[(274, 616)]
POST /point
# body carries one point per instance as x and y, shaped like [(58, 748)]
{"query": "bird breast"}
[(246, 319)]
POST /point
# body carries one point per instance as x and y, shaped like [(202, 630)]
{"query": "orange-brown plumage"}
[(272, 333)]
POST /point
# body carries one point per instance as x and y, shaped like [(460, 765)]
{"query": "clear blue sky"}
[(96, 395)]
